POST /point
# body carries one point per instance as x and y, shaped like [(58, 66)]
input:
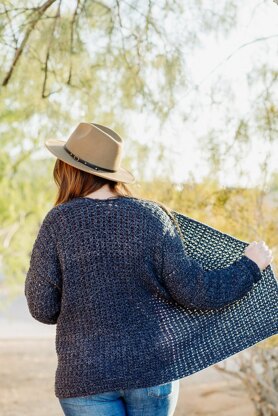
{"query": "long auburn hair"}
[(73, 182)]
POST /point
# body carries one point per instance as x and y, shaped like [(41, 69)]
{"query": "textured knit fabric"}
[(132, 307)]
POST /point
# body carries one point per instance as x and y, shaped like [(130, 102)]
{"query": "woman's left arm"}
[(43, 283)]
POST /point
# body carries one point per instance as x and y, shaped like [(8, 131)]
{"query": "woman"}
[(109, 268)]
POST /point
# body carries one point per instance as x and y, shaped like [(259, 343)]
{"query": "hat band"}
[(90, 165)]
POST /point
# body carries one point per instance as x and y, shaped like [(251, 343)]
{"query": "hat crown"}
[(96, 144)]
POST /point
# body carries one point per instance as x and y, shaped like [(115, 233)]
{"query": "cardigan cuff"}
[(253, 267)]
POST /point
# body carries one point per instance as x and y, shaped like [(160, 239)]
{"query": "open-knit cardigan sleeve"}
[(108, 271), (191, 286), (43, 283)]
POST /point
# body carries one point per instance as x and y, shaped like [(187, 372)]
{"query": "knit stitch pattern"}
[(134, 303)]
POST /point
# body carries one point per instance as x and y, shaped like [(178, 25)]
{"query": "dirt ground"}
[(27, 371)]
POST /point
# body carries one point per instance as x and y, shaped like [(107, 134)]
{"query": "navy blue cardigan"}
[(106, 272)]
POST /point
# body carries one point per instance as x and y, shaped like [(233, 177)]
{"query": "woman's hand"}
[(259, 253)]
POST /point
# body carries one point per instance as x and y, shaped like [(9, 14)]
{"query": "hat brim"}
[(56, 147)]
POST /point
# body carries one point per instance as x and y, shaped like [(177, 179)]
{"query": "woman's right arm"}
[(192, 286)]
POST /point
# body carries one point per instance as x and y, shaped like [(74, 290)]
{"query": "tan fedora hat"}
[(93, 148)]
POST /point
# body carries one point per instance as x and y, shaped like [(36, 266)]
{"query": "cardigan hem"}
[(169, 376)]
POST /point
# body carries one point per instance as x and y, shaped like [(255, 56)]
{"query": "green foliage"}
[(101, 62)]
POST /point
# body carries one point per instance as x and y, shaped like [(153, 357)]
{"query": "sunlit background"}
[(190, 86)]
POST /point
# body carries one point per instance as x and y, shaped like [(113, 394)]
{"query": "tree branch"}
[(57, 15), (40, 11), (72, 24)]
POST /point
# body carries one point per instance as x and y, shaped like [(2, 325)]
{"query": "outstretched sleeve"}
[(43, 283), (191, 286)]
